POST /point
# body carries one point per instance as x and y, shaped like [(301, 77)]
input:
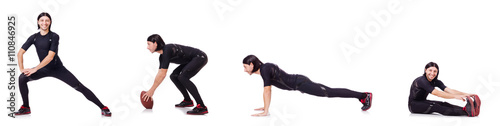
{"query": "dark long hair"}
[(41, 15), (155, 38), (432, 64), (254, 60)]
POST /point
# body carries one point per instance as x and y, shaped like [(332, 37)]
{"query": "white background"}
[(103, 43)]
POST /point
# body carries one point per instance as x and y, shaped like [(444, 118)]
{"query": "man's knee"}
[(23, 78), (174, 76)]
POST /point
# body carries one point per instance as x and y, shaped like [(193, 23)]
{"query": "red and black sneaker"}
[(23, 111), (198, 110), (469, 107), (105, 111), (477, 104), (185, 103), (367, 101)]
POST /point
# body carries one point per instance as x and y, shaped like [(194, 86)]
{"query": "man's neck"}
[(160, 51), (257, 72), (44, 32)]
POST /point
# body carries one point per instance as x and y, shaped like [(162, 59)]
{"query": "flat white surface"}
[(103, 43)]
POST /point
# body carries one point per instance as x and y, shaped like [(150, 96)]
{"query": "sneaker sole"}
[(477, 105), (23, 113), (202, 113), (106, 115), (185, 106), (371, 97)]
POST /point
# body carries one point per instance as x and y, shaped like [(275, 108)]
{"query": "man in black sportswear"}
[(191, 61), (273, 75), (46, 43), (425, 85)]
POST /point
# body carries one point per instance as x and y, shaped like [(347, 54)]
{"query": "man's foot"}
[(105, 111), (469, 107), (185, 103), (23, 111), (198, 110), (477, 104), (367, 101)]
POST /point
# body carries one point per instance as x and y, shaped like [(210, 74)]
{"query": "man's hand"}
[(28, 72)]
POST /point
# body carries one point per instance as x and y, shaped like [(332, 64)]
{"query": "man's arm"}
[(267, 101), (446, 95), (160, 76), (42, 64)]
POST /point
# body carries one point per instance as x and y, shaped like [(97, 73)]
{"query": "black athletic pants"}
[(60, 73), (181, 75), (307, 86), (428, 107)]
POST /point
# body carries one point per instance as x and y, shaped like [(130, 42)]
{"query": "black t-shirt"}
[(44, 44), (421, 88), (273, 75), (179, 54)]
